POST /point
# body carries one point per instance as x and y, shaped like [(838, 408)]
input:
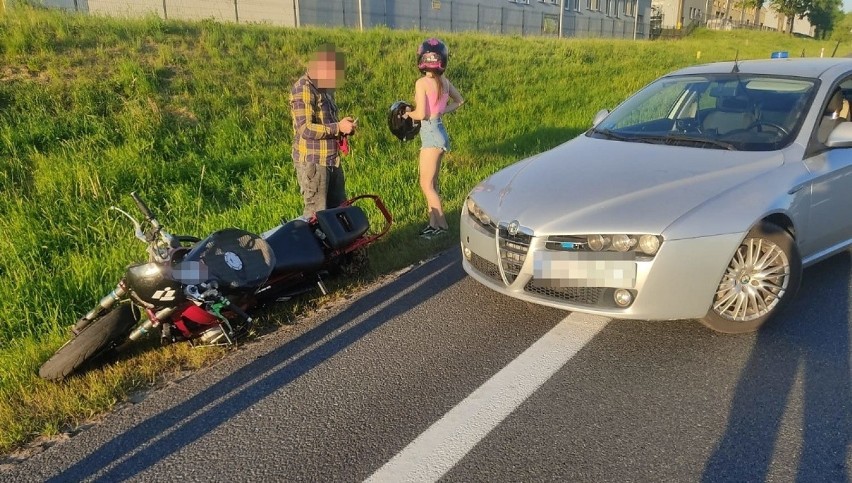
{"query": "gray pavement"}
[(643, 401)]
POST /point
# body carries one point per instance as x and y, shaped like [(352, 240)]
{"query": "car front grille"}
[(513, 252), (486, 268), (579, 295)]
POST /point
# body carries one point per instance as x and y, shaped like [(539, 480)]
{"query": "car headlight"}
[(622, 243), (597, 242), (647, 245), (477, 213)]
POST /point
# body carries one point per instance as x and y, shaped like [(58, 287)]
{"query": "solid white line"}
[(445, 443)]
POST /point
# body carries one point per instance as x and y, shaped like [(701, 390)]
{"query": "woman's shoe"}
[(427, 232)]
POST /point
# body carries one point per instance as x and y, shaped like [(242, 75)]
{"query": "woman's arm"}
[(456, 99), (419, 112)]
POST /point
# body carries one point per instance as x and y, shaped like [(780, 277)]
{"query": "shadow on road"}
[(159, 436), (810, 338)]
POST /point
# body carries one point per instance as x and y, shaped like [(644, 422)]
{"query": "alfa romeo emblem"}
[(513, 227), (233, 261)]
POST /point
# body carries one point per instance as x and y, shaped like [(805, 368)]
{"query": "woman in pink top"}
[(434, 95)]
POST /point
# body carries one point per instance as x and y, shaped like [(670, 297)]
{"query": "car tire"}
[(759, 281)]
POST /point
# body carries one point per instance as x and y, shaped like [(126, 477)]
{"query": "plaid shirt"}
[(314, 124)]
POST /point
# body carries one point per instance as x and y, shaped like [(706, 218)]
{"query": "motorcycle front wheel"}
[(102, 334)]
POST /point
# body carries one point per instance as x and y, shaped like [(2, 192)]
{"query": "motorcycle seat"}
[(295, 247), (342, 226)]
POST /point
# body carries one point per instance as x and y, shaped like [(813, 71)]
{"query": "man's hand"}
[(347, 125)]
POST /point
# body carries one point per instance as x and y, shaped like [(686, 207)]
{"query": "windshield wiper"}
[(610, 134), (700, 139), (676, 138)]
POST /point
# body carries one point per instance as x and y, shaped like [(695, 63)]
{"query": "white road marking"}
[(446, 442)]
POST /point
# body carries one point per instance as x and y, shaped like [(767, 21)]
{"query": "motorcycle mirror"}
[(137, 227)]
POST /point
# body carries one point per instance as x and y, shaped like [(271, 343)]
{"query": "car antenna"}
[(736, 68)]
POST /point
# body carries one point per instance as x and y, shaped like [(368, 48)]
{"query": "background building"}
[(577, 18), (723, 14)]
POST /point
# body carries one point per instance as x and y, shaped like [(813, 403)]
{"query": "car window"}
[(719, 111)]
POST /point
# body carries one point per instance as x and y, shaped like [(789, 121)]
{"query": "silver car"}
[(702, 196)]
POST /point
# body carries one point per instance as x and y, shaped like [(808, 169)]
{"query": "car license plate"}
[(585, 269)]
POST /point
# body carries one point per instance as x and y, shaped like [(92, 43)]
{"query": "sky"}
[(847, 5)]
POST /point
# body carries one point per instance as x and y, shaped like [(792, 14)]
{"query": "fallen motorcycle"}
[(200, 290)]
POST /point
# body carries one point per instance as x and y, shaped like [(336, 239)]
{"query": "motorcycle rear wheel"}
[(102, 334)]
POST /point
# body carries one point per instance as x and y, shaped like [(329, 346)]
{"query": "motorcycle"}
[(200, 290)]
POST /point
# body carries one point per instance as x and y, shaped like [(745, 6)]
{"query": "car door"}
[(830, 222)]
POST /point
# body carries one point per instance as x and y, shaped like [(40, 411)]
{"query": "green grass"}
[(194, 117)]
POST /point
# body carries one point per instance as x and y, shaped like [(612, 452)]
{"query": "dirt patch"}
[(21, 73)]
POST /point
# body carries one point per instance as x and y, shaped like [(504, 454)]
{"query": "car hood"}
[(590, 185)]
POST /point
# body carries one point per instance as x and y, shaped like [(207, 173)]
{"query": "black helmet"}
[(432, 56), (404, 128)]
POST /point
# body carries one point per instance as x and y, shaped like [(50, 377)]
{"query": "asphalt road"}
[(641, 401)]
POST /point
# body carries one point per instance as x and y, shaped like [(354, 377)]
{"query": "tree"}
[(757, 5), (791, 9), (842, 31), (822, 15)]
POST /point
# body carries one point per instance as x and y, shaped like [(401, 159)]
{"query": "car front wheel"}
[(760, 280)]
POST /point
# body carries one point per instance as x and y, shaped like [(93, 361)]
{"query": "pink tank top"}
[(434, 105)]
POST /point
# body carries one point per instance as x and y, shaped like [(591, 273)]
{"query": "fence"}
[(540, 18)]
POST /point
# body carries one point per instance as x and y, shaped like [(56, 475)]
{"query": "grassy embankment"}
[(194, 117)]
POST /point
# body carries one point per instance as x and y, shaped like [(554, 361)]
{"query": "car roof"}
[(798, 67)]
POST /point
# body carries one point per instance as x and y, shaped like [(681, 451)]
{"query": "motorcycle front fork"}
[(154, 320), (104, 305)]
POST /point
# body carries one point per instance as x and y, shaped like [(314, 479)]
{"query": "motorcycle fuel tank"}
[(153, 283)]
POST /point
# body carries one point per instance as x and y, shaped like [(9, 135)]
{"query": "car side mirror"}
[(603, 113), (841, 136)]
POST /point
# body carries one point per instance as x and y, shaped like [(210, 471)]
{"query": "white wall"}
[(274, 12), (123, 8)]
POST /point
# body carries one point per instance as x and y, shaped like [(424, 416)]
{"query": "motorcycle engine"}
[(213, 335)]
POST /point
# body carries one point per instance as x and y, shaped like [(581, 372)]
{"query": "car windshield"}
[(713, 111)]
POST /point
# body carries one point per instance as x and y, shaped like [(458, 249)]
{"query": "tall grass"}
[(194, 117)]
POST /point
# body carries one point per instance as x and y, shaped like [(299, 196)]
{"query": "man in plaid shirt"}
[(319, 132)]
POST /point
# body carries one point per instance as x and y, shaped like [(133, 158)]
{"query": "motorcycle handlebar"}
[(144, 209)]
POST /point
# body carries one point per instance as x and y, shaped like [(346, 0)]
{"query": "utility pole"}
[(561, 17), (727, 13), (678, 20), (635, 18)]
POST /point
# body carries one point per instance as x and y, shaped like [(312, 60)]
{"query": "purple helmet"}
[(432, 56)]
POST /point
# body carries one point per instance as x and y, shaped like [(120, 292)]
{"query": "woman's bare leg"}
[(430, 166)]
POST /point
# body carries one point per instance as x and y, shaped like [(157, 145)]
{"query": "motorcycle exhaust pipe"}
[(106, 303)]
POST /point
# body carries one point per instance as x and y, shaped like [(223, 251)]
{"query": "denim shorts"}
[(434, 135)]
